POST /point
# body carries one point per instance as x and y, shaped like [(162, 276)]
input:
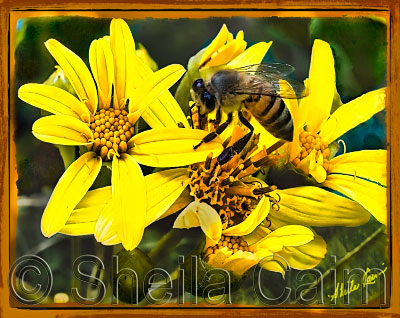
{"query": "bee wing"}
[(267, 69), (265, 80)]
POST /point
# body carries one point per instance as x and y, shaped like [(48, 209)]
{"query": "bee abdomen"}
[(276, 119)]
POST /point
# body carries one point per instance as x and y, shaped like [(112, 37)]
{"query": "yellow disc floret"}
[(111, 131), (309, 142)]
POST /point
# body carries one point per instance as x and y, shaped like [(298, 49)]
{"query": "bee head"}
[(201, 96)]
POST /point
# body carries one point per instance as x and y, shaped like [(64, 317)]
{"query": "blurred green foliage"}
[(359, 47)]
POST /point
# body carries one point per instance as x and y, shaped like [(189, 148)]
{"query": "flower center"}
[(111, 130), (233, 243), (309, 142), (227, 187)]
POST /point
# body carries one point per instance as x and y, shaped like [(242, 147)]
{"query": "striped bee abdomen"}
[(272, 113)]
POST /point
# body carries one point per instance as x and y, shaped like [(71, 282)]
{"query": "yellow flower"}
[(359, 175), (102, 118), (274, 250)]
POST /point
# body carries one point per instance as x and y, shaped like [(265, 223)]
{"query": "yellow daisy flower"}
[(102, 118), (360, 175), (274, 250)]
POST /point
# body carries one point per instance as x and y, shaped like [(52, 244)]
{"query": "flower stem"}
[(167, 242)]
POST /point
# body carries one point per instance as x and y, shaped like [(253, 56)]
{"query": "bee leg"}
[(245, 122), (212, 135), (218, 116), (239, 145), (190, 113)]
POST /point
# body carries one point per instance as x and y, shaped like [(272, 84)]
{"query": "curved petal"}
[(129, 199), (123, 50), (352, 114), (182, 201), (77, 73), (314, 206), (78, 229), (70, 189), (62, 130), (370, 195), (227, 53), (163, 189), (54, 100), (216, 44), (240, 262), (203, 215), (151, 88), (305, 256), (171, 147), (102, 65), (165, 110), (253, 55), (107, 223), (368, 164), (289, 235), (252, 221), (321, 84)]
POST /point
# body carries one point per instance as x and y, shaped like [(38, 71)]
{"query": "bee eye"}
[(198, 83), (208, 100)]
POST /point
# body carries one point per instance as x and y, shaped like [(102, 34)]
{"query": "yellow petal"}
[(62, 130), (203, 215), (165, 110), (266, 139), (145, 57), (352, 114), (70, 189), (289, 235), (102, 65), (305, 256), (273, 262), (163, 189), (252, 221), (316, 167), (78, 229), (321, 83), (240, 262), (171, 147), (253, 55), (54, 100), (107, 223), (218, 259), (183, 200), (96, 199), (123, 50), (314, 206), (227, 53), (76, 71), (152, 88), (129, 199), (368, 164), (216, 44), (370, 195)]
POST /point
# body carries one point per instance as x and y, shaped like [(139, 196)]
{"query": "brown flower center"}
[(226, 187), (309, 142), (111, 130), (233, 243)]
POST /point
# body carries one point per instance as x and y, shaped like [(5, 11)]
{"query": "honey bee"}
[(255, 88)]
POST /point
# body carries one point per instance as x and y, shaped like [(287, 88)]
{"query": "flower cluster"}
[(244, 218)]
